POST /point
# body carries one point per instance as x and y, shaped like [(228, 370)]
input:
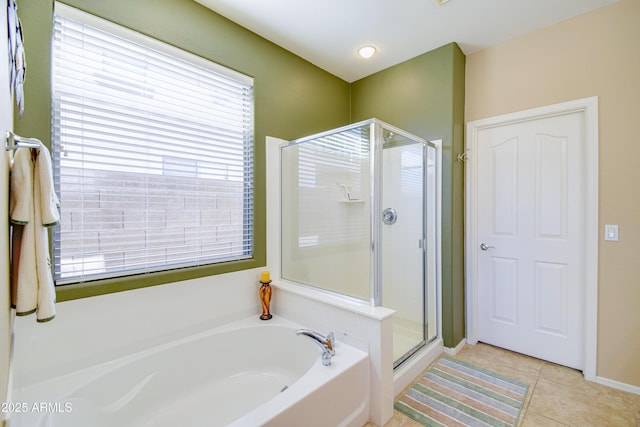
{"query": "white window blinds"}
[(153, 154)]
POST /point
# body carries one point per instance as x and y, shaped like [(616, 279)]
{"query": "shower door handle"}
[(484, 247)]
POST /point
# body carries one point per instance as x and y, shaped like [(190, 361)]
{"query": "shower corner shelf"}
[(351, 201)]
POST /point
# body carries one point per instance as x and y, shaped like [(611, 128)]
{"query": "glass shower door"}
[(326, 211), (402, 236)]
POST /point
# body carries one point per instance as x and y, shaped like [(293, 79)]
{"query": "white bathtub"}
[(247, 373)]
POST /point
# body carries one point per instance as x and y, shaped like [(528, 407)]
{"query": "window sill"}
[(108, 286)]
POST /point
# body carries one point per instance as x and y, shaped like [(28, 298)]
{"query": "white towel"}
[(34, 207), (49, 200), (24, 281)]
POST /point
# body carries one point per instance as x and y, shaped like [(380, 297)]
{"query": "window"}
[(153, 154)]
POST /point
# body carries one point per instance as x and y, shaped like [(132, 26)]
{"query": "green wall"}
[(292, 96), (425, 96)]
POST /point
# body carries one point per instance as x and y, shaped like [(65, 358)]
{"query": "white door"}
[(530, 234)]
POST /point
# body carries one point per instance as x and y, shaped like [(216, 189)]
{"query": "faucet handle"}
[(331, 339)]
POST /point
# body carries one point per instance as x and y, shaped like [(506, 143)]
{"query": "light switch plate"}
[(611, 232)]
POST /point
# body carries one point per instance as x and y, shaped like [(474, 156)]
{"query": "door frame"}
[(589, 108)]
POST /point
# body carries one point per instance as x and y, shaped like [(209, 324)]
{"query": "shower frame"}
[(376, 147)]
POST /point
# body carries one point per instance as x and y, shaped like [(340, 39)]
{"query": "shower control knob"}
[(484, 247), (389, 216)]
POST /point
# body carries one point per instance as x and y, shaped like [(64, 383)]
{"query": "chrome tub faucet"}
[(327, 344)]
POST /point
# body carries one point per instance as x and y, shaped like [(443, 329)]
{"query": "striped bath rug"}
[(456, 393)]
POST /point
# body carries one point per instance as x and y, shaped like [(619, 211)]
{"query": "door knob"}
[(484, 247)]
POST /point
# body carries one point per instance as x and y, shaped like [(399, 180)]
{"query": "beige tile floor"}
[(557, 396)]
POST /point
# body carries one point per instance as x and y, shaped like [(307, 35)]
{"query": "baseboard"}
[(618, 385), (453, 351)]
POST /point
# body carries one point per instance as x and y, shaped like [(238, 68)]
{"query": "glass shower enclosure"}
[(360, 218)]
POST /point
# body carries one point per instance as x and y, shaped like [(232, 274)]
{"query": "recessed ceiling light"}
[(367, 51), (441, 2)]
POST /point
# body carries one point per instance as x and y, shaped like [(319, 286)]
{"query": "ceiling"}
[(328, 33)]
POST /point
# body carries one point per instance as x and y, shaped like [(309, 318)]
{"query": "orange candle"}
[(265, 277)]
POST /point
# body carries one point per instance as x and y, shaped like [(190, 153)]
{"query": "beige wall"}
[(594, 54)]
